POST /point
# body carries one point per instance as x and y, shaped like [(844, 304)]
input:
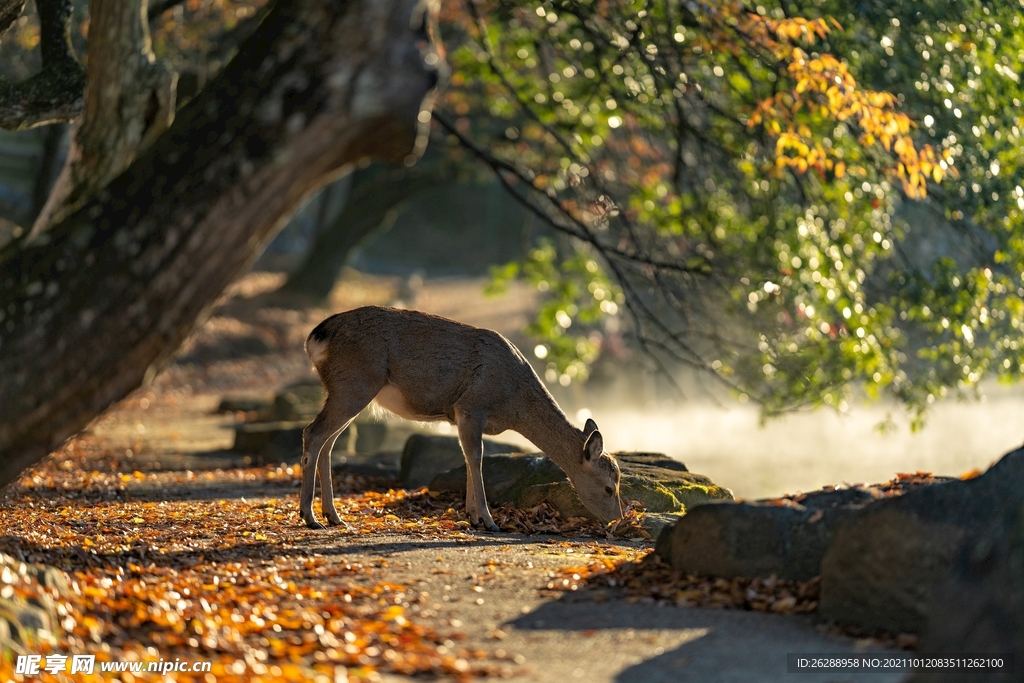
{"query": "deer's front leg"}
[(471, 429)]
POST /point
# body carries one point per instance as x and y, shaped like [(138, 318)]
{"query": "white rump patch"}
[(317, 350)]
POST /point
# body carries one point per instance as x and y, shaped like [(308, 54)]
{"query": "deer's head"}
[(596, 480)]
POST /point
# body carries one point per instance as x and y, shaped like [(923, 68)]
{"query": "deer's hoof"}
[(488, 524), (313, 524)]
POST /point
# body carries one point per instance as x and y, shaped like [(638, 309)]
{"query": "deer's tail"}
[(317, 345)]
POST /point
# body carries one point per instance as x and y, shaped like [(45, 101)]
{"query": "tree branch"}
[(10, 10), (53, 95), (129, 101)]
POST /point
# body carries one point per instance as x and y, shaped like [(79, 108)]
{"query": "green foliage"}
[(758, 228), (578, 299)]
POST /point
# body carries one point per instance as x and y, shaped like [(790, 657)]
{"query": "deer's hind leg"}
[(343, 403), (323, 472)]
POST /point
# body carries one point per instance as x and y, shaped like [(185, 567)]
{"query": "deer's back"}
[(434, 362)]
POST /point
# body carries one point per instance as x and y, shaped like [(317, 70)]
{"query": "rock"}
[(665, 485), (505, 476), (389, 435), (280, 442), (300, 401), (660, 483), (887, 560), (245, 404), (656, 522), (980, 608), (733, 539), (380, 464), (559, 495), (261, 437), (296, 402), (427, 455), (24, 622)]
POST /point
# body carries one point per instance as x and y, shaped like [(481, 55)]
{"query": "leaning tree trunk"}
[(375, 199), (95, 304)]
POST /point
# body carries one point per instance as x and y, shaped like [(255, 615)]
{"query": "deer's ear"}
[(594, 446), (589, 427)]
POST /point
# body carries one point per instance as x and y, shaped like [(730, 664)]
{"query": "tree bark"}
[(54, 95), (48, 167), (129, 101), (94, 305), (376, 197)]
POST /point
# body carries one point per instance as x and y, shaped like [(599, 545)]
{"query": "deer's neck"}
[(546, 426)]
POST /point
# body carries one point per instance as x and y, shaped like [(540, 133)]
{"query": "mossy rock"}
[(665, 485), (24, 622), (427, 455), (559, 495), (506, 476), (660, 483)]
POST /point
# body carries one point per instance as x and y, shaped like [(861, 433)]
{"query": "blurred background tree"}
[(783, 195)]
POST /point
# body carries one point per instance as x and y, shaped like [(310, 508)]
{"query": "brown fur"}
[(427, 368)]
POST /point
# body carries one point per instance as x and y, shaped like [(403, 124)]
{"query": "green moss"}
[(654, 496)]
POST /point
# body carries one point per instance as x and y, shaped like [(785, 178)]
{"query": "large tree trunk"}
[(375, 199), (92, 306)]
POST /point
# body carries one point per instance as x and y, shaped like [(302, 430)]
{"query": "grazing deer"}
[(426, 368)]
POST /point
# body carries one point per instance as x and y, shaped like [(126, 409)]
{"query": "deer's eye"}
[(609, 490)]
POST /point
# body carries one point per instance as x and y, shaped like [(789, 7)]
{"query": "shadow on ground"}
[(715, 645)]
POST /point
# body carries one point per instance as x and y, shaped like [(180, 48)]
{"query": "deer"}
[(427, 368)]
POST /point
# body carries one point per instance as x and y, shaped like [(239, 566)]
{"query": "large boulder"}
[(887, 560), (731, 539), (980, 608), (427, 455), (659, 482)]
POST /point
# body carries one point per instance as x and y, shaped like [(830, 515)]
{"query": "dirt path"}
[(486, 596)]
